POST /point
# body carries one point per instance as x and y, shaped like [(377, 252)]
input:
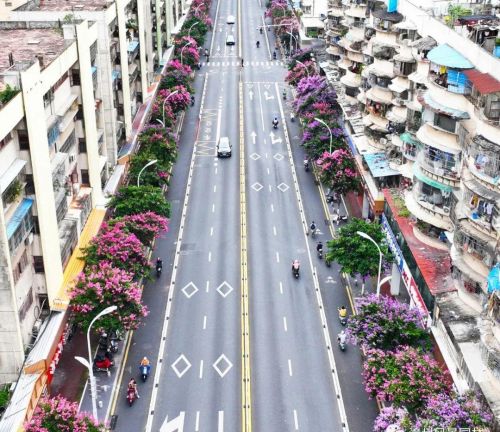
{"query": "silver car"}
[(223, 147)]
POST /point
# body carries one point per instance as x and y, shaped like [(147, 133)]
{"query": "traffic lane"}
[(222, 29)]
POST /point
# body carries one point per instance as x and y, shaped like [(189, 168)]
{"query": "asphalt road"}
[(193, 336)]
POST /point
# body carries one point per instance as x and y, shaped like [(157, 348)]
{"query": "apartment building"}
[(53, 166), (421, 98)]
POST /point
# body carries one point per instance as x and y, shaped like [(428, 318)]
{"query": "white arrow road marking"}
[(221, 422), (330, 280), (250, 94), (274, 141), (177, 424), (268, 96), (253, 135)]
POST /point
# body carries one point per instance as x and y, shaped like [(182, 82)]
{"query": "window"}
[(444, 122), (70, 141), (85, 177), (30, 184), (28, 301), (24, 142), (75, 78), (36, 225), (48, 98), (38, 264), (6, 140), (82, 145), (20, 267)]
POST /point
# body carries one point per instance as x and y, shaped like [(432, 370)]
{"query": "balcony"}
[(20, 225), (133, 50), (68, 238), (439, 163)]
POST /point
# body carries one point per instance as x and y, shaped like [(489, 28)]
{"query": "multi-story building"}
[(52, 170)]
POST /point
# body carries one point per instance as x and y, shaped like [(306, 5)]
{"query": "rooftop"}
[(26, 44), (74, 5)]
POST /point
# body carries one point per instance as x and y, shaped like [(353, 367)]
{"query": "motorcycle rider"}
[(341, 338), (132, 385), (159, 263), (313, 227), (342, 312), (258, 44), (319, 247), (145, 361), (295, 265), (275, 121), (274, 55)]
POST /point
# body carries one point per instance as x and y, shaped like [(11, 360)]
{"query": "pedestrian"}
[(242, 62)]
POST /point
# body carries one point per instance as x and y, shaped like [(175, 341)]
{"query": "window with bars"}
[(69, 143)]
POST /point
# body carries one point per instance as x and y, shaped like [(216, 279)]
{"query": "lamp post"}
[(196, 9), (329, 130), (88, 363), (143, 168), (295, 39), (183, 48), (367, 237), (164, 102), (192, 25), (305, 67)]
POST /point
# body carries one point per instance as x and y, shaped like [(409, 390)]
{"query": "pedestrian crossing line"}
[(238, 63)]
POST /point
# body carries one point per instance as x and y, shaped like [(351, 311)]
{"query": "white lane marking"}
[(208, 283), (210, 257), (272, 208), (213, 208), (277, 257), (221, 422), (215, 170), (204, 322), (201, 369), (284, 324), (295, 420), (274, 230), (270, 188), (215, 188), (197, 422), (290, 367), (281, 287), (260, 108), (211, 231), (268, 171)]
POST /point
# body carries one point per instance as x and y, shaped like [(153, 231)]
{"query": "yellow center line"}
[(246, 397)]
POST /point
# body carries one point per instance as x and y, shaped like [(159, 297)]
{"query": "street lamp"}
[(305, 67), (143, 168), (88, 363), (192, 25), (183, 48), (196, 9), (164, 102), (296, 41), (329, 130), (367, 237)]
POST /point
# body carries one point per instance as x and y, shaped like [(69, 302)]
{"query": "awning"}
[(333, 50), (483, 82), (379, 165), (441, 140), (379, 72), (344, 63), (396, 114), (373, 120), (76, 264), (408, 138), (312, 22), (336, 12), (431, 182), (444, 55), (425, 43), (18, 216), (404, 57), (399, 84), (426, 100), (405, 25), (356, 12), (376, 94), (132, 46), (10, 174)]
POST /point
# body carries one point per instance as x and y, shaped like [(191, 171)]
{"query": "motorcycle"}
[(295, 272), (274, 55), (131, 396), (108, 344), (306, 165), (158, 271), (341, 344), (102, 364), (258, 44), (313, 232), (343, 320), (337, 217), (320, 253), (117, 335), (284, 94), (144, 372), (275, 124), (292, 117)]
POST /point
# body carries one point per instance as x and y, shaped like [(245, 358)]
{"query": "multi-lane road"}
[(237, 343)]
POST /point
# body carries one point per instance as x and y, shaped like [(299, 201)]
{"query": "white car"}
[(223, 147), (230, 19), (230, 39)]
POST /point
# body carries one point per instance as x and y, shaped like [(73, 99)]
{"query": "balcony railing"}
[(442, 164)]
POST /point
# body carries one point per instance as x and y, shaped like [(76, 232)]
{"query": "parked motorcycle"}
[(108, 344), (102, 364)]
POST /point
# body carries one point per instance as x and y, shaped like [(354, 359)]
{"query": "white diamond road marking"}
[(255, 156), (257, 186), (283, 187), (228, 365), (278, 156), (224, 289), (190, 289), (187, 365)]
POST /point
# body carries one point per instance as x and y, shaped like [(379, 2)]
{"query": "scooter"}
[(337, 218), (343, 320), (306, 165), (108, 344), (144, 372), (275, 124), (102, 364), (292, 117), (158, 271), (341, 345), (296, 272), (131, 396), (320, 253)]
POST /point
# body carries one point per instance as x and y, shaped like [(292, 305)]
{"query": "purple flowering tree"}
[(338, 171), (118, 247), (385, 323), (101, 286), (299, 71), (58, 414), (405, 377), (147, 226), (398, 418)]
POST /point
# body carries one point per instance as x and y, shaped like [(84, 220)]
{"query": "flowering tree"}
[(197, 31), (355, 254), (397, 418), (57, 414), (453, 412), (156, 175), (119, 247), (177, 74), (385, 323), (146, 226), (101, 286), (338, 171), (178, 101), (298, 71), (162, 112), (189, 49), (132, 199), (405, 377)]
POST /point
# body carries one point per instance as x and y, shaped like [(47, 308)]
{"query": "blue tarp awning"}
[(445, 55), (18, 216), (494, 279), (431, 182), (379, 165), (93, 69), (132, 46), (114, 75)]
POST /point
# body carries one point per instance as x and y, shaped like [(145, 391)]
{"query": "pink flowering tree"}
[(162, 112), (298, 71), (58, 414), (147, 226), (316, 137), (118, 247), (189, 48), (198, 31), (338, 171), (101, 286), (178, 101), (395, 417), (405, 377), (384, 322), (177, 74)]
